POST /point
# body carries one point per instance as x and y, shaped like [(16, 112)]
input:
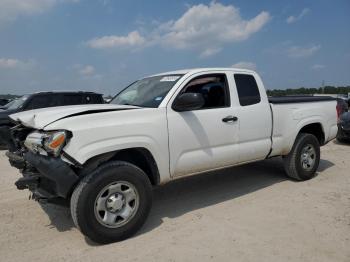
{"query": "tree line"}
[(278, 92), (309, 91), (9, 96)]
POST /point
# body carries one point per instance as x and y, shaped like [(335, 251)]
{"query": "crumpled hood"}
[(40, 118)]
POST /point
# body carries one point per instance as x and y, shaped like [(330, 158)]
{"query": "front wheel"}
[(302, 161), (112, 203)]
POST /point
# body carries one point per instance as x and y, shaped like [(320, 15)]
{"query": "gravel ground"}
[(247, 213)]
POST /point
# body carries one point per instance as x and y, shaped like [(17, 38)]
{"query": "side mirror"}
[(188, 102)]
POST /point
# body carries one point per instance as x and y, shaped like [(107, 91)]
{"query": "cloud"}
[(11, 9), (12, 63), (211, 26), (299, 51), (133, 39), (292, 19), (105, 2), (317, 67), (206, 28), (9, 63), (87, 70), (210, 52), (245, 65)]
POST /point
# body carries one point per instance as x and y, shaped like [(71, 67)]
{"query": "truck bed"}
[(298, 99)]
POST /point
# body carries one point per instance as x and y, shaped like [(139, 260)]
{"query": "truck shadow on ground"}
[(188, 194), (342, 143), (59, 216), (196, 192), (324, 165)]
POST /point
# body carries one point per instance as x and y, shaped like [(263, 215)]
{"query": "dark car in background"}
[(43, 100), (342, 106), (6, 106), (4, 101), (343, 134)]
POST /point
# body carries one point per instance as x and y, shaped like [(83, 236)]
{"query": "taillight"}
[(338, 108)]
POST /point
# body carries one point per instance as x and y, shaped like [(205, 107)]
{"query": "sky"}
[(103, 45)]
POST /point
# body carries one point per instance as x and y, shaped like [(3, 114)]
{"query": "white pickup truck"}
[(106, 158)]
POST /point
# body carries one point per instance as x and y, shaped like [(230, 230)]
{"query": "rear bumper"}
[(343, 133), (46, 177)]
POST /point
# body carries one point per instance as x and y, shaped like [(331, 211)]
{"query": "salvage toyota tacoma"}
[(106, 158)]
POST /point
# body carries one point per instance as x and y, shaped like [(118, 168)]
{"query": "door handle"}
[(230, 119)]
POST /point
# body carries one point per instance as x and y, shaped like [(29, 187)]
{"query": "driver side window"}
[(214, 89)]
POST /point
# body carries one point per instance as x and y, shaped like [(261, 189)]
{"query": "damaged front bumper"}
[(46, 177)]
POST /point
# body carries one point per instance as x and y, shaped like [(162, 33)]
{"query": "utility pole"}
[(322, 86)]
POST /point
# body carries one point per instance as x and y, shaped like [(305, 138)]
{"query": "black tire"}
[(341, 140), (340, 137), (85, 194), (293, 161)]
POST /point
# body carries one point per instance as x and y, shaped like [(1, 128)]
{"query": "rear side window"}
[(72, 99), (92, 99), (41, 101), (248, 91)]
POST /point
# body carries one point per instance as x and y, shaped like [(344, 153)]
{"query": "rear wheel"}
[(112, 203), (303, 160)]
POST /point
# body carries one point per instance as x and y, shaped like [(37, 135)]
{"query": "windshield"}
[(8, 104), (18, 102), (147, 92)]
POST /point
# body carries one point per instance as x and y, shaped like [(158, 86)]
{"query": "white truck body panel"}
[(289, 119), (116, 130), (184, 143), (254, 125)]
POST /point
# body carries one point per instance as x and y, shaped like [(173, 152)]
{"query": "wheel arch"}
[(315, 129), (310, 127), (138, 156)]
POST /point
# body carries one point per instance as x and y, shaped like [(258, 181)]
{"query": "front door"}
[(206, 138)]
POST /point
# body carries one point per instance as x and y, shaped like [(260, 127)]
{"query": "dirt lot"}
[(248, 213)]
